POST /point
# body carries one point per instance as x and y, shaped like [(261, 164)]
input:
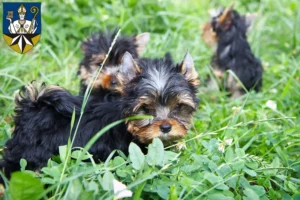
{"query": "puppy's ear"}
[(226, 17), (249, 19), (141, 41), (187, 68), (128, 68), (168, 58), (85, 47)]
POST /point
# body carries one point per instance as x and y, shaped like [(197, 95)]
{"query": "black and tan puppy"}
[(95, 49), (154, 87), (226, 34)]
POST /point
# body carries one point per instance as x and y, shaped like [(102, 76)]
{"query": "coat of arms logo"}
[(22, 25)]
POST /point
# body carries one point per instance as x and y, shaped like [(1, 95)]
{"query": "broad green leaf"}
[(252, 165), (54, 172), (163, 191), (232, 182), (259, 190), (63, 153), (250, 172), (244, 182), (84, 195), (281, 194), (238, 197), (213, 179), (212, 145), (292, 187), (170, 156), (155, 154), (212, 166), (23, 164), (123, 172), (173, 193), (92, 186), (190, 168), (222, 186), (136, 156), (24, 186), (200, 159), (187, 181), (250, 194), (80, 154), (264, 197), (74, 189), (275, 164), (118, 161), (107, 181), (229, 155), (47, 180), (224, 170), (239, 152), (296, 197), (238, 165), (215, 196), (215, 158)]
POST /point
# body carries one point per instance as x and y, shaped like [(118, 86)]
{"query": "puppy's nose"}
[(113, 82), (165, 128)]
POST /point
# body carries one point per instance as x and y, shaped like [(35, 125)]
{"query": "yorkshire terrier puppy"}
[(153, 87), (226, 34), (95, 49)]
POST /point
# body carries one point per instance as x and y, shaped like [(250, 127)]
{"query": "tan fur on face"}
[(86, 72), (87, 76), (146, 134), (97, 58), (105, 81), (209, 36), (104, 78), (186, 99), (179, 117)]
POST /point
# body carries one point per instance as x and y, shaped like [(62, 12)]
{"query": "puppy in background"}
[(107, 85), (226, 34)]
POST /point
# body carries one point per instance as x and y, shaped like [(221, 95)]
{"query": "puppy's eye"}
[(146, 109), (183, 107), (99, 63), (178, 106)]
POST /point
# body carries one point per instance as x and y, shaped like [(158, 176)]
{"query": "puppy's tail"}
[(36, 96)]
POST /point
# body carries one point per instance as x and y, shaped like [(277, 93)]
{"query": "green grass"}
[(263, 161)]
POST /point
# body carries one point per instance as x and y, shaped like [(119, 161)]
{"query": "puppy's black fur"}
[(43, 115)]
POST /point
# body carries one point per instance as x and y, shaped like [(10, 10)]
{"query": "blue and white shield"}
[(22, 25)]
